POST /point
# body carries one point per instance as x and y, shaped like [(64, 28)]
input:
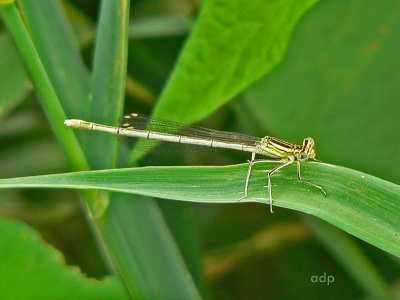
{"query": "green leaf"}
[(43, 86), (365, 206), (108, 82), (232, 44), (39, 271), (14, 83), (144, 250), (56, 45)]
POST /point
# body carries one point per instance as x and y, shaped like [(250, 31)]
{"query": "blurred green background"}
[(339, 83)]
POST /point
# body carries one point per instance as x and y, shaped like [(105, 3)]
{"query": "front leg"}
[(252, 162), (270, 173)]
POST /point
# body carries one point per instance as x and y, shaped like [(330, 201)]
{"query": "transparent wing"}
[(142, 122)]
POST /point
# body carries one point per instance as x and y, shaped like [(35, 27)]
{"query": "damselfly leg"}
[(284, 164)]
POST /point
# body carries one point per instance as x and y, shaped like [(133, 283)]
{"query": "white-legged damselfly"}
[(139, 126)]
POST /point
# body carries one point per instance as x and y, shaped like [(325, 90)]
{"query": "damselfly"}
[(139, 126)]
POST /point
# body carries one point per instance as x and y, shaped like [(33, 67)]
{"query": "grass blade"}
[(362, 205)]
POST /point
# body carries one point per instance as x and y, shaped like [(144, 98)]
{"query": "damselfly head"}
[(307, 150)]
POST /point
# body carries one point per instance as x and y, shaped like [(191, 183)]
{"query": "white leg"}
[(246, 187), (252, 162), (307, 182), (270, 173)]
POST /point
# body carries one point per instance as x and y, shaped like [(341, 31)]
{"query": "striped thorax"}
[(277, 148)]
